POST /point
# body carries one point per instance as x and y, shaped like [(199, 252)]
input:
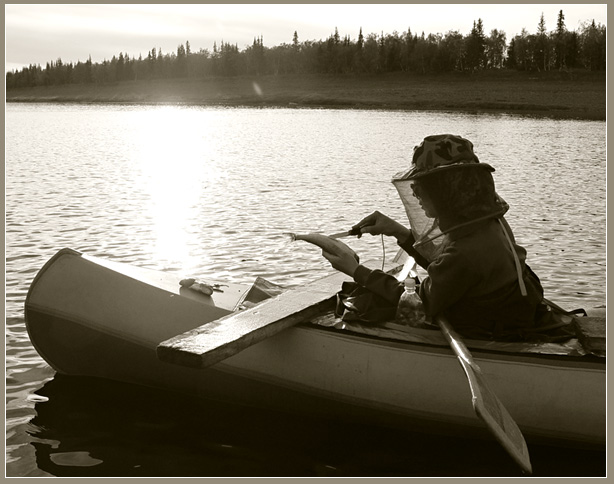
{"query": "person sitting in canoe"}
[(477, 275)]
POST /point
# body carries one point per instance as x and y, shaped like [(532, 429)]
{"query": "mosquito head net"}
[(446, 187)]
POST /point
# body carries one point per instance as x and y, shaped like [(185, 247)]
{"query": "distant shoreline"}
[(560, 95)]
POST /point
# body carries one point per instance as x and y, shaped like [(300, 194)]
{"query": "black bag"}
[(357, 304), (553, 325)]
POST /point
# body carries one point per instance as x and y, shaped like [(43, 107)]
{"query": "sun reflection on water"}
[(176, 165)]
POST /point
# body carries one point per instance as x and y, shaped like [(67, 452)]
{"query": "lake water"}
[(210, 192)]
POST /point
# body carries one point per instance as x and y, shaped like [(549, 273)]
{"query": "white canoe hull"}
[(90, 320)]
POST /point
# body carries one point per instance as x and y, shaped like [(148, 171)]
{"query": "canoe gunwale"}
[(588, 361)]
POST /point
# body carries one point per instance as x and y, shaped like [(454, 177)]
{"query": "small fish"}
[(206, 289), (326, 243)]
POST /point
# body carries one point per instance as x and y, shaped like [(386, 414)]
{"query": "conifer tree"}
[(560, 37), (541, 48), (476, 46)]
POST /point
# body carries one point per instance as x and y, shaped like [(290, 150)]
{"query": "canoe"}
[(92, 317)]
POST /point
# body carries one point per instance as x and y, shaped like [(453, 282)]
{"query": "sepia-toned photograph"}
[(305, 240)]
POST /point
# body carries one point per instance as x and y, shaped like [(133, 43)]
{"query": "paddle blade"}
[(496, 417), (486, 404)]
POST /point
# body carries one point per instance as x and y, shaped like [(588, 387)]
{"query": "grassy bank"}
[(556, 95)]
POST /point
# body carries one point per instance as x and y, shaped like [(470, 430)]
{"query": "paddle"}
[(485, 403)]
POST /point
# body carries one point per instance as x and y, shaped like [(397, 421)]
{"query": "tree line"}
[(559, 49)]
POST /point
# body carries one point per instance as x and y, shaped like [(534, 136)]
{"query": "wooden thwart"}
[(215, 341), (224, 337)]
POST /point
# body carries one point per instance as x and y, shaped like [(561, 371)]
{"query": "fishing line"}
[(383, 252)]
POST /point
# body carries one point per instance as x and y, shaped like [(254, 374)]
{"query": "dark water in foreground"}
[(208, 193), (92, 428)]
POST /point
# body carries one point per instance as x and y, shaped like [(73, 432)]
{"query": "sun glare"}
[(175, 165)]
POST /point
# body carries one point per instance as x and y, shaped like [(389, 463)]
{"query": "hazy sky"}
[(36, 34)]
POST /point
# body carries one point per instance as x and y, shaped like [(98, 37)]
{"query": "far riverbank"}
[(561, 95)]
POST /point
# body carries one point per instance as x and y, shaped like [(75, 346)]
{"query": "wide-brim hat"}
[(442, 152)]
